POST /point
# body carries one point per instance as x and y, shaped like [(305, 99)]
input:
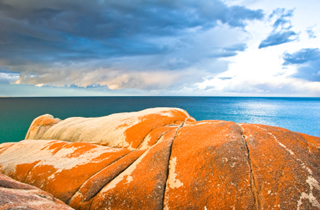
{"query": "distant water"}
[(296, 114)]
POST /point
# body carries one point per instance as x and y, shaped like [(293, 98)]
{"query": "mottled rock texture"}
[(122, 130), (163, 159), (16, 195), (40, 125)]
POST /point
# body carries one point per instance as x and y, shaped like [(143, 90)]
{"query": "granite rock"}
[(164, 159), (16, 195)]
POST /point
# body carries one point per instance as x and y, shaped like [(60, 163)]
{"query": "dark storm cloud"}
[(281, 32), (45, 38), (104, 28), (308, 61)]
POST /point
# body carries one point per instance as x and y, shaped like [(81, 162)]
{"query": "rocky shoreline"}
[(162, 158)]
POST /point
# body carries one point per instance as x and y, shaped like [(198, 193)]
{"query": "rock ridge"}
[(163, 158)]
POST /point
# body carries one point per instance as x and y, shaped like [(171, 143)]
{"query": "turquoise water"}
[(296, 114)]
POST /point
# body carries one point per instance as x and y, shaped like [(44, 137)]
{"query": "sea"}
[(296, 114)]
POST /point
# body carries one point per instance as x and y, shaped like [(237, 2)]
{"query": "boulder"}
[(164, 159), (122, 130), (40, 125), (16, 195)]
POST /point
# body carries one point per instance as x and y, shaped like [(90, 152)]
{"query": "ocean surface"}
[(296, 114)]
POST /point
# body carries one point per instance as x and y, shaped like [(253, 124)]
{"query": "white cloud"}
[(8, 77), (261, 71)]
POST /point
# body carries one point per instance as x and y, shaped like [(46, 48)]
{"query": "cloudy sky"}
[(160, 47)]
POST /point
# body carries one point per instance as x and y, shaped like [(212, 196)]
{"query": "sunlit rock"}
[(16, 195), (163, 159)]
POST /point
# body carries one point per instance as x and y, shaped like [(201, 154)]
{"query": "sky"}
[(160, 48)]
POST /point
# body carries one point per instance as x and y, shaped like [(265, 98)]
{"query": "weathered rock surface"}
[(209, 168), (57, 167), (122, 130), (40, 125), (164, 159), (16, 195)]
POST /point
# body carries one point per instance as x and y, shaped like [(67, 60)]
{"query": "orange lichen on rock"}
[(40, 125), (154, 136), (163, 159), (18, 159), (311, 139), (122, 130), (16, 195), (136, 133), (59, 172), (149, 171), (209, 168), (286, 171), (5, 146), (84, 196)]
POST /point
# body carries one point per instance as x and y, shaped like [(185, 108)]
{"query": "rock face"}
[(40, 125), (164, 159), (123, 130), (16, 195)]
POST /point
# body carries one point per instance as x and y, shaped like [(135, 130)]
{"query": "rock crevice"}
[(252, 179), (168, 168), (164, 159)]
